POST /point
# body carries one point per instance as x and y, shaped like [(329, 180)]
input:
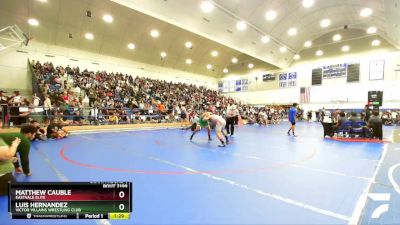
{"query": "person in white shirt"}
[(77, 90), (220, 124), (141, 105), (231, 113), (36, 101), (16, 99), (47, 105)]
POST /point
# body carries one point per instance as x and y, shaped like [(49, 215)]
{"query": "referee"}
[(231, 115)]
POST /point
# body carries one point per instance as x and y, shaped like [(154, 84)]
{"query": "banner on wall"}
[(334, 71), (376, 70), (282, 80), (233, 86), (245, 85), (238, 85), (288, 80), (292, 79), (220, 86), (225, 86), (268, 77)]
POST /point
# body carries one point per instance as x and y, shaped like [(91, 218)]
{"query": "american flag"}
[(305, 95)]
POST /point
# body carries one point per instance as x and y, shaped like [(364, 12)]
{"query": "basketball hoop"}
[(12, 36)]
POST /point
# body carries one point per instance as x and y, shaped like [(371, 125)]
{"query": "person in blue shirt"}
[(292, 118)]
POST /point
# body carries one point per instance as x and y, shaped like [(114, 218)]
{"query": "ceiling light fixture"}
[(209, 66), (225, 70), (292, 31), (376, 42), (89, 36), (33, 22), (234, 60), (371, 30), (250, 65), (282, 49), (319, 53), (265, 39), (108, 18), (307, 44), (270, 15), (296, 57), (345, 48), (154, 33), (365, 12), (188, 45), (163, 54), (325, 23), (241, 25), (188, 61), (131, 46), (206, 6), (337, 37), (308, 3), (214, 53)]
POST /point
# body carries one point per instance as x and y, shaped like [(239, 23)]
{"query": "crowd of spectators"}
[(264, 115), (367, 123), (389, 117), (118, 97), (123, 98)]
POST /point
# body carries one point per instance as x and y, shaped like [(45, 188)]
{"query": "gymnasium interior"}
[(117, 112)]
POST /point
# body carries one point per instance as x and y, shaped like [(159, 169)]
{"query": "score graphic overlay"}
[(70, 200)]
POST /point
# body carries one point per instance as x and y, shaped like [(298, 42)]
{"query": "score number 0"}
[(121, 195)]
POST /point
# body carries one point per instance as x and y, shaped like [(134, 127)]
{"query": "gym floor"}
[(262, 177)]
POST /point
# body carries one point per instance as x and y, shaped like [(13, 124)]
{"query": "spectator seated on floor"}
[(262, 118), (275, 119), (78, 119), (359, 127), (354, 117), (251, 119), (97, 117), (55, 130), (113, 119), (343, 125), (387, 118), (40, 132)]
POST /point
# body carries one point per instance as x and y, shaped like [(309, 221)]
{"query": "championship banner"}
[(225, 86), (292, 79), (245, 85), (283, 80), (238, 85), (220, 86)]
